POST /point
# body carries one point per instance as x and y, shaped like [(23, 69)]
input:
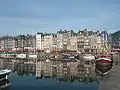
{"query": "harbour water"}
[(31, 83), (52, 75)]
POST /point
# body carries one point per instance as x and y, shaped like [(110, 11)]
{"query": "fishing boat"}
[(4, 82), (103, 65), (70, 57)]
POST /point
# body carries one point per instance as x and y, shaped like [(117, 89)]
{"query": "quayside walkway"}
[(112, 80)]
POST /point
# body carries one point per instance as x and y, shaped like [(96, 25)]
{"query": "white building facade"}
[(39, 41)]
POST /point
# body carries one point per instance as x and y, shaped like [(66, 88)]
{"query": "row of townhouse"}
[(82, 41), (116, 40), (17, 42), (63, 70)]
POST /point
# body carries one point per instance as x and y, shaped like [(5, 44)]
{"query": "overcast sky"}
[(32, 16)]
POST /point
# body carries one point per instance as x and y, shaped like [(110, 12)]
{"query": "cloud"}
[(105, 20), (21, 25), (30, 16)]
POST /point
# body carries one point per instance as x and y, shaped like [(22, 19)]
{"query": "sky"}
[(32, 16)]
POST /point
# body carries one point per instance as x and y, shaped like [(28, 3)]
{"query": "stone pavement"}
[(112, 80)]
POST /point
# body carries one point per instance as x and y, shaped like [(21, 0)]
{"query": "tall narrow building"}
[(39, 41)]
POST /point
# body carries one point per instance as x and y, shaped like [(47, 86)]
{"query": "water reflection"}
[(62, 71)]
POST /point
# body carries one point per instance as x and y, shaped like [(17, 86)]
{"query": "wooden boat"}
[(103, 65)]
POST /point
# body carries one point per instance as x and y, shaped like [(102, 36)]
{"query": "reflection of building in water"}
[(62, 70), (55, 68), (43, 67), (20, 68), (47, 68), (26, 69), (73, 68), (86, 73), (81, 71), (5, 64), (69, 70), (38, 68), (1, 64), (66, 71)]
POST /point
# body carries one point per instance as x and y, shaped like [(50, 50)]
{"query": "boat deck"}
[(5, 71)]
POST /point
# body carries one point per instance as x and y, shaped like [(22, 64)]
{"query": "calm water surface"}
[(31, 83), (24, 81)]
